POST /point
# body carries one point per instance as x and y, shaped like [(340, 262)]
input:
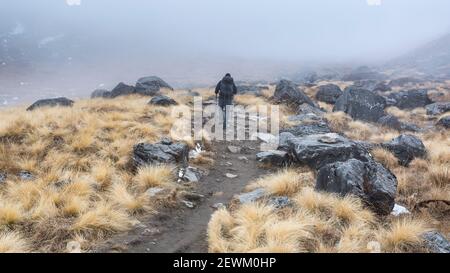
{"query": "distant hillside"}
[(432, 59)]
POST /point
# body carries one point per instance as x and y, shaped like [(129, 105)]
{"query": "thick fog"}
[(70, 47)]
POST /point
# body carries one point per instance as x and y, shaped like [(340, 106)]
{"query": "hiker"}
[(225, 89)]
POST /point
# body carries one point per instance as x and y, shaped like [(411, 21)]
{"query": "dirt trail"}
[(183, 229)]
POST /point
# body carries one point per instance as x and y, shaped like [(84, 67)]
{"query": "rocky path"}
[(183, 229)]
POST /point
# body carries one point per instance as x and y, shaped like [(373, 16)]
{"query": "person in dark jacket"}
[(225, 89)]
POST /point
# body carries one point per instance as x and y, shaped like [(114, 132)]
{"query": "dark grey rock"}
[(369, 180), (100, 93), (308, 129), (3, 177), (444, 122), (191, 174), (122, 90), (328, 93), (309, 109), (274, 158), (287, 92), (25, 175), (406, 147), (319, 150), (280, 202), (146, 153), (436, 242), (150, 86), (361, 104), (162, 101), (437, 108), (411, 99), (393, 122), (51, 102)]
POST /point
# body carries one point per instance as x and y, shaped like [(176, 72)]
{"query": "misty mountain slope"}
[(431, 59)]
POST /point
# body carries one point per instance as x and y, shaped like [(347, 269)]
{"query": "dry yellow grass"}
[(316, 222), (82, 181), (13, 242), (385, 157)]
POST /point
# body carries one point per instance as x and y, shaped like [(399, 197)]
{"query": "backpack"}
[(226, 87)]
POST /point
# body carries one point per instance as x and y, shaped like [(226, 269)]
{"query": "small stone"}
[(188, 204), (280, 202), (191, 196), (243, 158), (25, 175), (436, 242), (399, 210), (218, 206), (151, 231), (229, 164), (152, 192), (234, 149), (230, 175), (2, 177), (73, 247), (251, 196)]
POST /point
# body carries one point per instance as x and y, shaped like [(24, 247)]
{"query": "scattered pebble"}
[(188, 204), (234, 149), (219, 206), (230, 175), (243, 158)]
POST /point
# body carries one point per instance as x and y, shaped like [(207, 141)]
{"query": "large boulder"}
[(100, 93), (369, 180), (51, 102), (122, 89), (162, 152), (437, 108), (444, 122), (287, 92), (316, 151), (328, 93), (361, 104), (406, 148), (371, 85), (150, 86), (308, 129), (162, 101), (393, 122), (411, 99)]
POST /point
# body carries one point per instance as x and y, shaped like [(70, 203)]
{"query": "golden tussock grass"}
[(315, 222), (385, 157), (80, 161), (13, 242), (154, 176)]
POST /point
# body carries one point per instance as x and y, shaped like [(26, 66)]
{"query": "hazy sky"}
[(296, 29), (126, 38)]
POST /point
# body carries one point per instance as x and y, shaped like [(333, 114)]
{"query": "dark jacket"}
[(226, 82)]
